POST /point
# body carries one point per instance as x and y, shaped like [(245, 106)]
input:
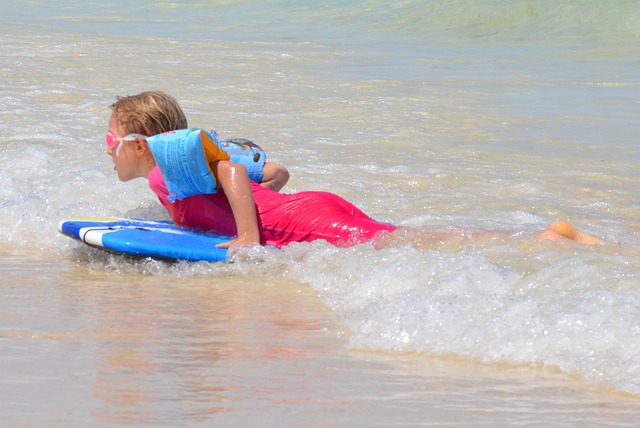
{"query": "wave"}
[(376, 22), (517, 21)]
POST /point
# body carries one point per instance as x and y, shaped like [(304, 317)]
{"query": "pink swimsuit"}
[(282, 218)]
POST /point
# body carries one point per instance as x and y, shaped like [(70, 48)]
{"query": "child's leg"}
[(562, 229), (451, 239), (457, 238), (274, 176)]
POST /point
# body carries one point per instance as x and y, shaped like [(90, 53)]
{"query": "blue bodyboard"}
[(146, 238)]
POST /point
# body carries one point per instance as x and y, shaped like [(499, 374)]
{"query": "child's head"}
[(149, 113)]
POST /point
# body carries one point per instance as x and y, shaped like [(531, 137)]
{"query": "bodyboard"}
[(146, 238)]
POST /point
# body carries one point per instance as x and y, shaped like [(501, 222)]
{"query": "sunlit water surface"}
[(494, 121)]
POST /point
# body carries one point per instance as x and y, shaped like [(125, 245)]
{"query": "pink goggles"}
[(113, 141)]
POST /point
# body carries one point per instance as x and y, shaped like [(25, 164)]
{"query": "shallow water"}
[(89, 345), (424, 114)]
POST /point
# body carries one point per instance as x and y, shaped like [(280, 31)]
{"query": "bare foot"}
[(562, 229)]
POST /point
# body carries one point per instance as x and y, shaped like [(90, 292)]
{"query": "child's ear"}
[(142, 147)]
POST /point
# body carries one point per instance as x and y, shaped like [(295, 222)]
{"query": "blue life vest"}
[(184, 157), (244, 152)]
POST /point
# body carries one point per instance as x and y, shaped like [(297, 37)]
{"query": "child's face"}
[(123, 155)]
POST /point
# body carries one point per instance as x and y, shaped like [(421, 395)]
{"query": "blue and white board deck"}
[(146, 238)]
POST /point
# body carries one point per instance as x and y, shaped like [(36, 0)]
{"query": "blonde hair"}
[(149, 113)]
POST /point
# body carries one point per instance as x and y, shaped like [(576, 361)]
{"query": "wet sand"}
[(86, 344)]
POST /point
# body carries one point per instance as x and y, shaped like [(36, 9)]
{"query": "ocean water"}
[(497, 115)]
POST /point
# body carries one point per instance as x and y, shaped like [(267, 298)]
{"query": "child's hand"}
[(236, 185), (242, 241)]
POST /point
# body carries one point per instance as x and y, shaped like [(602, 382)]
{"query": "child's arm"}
[(274, 176), (234, 180)]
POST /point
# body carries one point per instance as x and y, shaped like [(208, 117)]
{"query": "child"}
[(253, 213)]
